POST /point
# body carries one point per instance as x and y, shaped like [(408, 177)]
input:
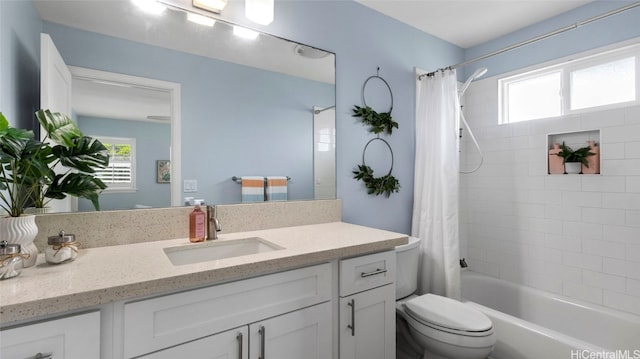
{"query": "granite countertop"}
[(106, 274)]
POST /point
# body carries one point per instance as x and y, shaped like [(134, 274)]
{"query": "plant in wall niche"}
[(376, 185), (378, 122), (577, 157)]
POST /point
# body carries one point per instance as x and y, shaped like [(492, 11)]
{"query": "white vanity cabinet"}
[(367, 307), (73, 337), (342, 309), (292, 307)]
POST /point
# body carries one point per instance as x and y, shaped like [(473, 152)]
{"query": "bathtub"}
[(532, 323)]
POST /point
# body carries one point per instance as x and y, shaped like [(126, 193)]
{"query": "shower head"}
[(477, 74)]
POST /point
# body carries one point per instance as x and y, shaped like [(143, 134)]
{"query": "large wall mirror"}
[(261, 106)]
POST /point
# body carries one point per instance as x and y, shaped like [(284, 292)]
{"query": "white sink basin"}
[(211, 251)]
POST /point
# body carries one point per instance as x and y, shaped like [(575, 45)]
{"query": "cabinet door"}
[(367, 324), (75, 337), (158, 323), (232, 344), (305, 333)]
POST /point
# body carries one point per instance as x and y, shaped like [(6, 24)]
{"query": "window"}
[(120, 174), (584, 84), (604, 84), (535, 97)]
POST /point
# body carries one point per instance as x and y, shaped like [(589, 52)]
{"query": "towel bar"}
[(237, 179)]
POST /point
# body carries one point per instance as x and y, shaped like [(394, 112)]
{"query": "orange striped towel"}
[(252, 189), (277, 188)]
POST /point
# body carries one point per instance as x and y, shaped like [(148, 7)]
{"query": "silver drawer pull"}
[(263, 338), (239, 337), (375, 272), (43, 356), (352, 304)]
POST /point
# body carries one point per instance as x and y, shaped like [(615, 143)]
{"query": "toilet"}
[(438, 326)]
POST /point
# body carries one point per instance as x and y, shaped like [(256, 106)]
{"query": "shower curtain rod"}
[(537, 38)]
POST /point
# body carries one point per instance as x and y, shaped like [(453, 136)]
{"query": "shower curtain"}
[(435, 198)]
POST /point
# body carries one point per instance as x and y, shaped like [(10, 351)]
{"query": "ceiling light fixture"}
[(244, 33), (150, 6), (210, 5), (200, 19), (259, 11)]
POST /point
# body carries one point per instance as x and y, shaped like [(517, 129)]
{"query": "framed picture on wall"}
[(163, 171)]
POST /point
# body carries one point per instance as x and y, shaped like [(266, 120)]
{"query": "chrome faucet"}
[(213, 225)]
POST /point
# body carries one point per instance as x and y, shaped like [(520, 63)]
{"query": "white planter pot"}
[(21, 230), (573, 167)]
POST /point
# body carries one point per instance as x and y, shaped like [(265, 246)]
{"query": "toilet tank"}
[(407, 257)]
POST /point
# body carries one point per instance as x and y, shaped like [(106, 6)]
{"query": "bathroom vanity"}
[(320, 291)]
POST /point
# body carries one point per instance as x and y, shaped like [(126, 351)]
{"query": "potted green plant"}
[(72, 163), (28, 173), (574, 159)]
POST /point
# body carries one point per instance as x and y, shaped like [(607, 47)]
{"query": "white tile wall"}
[(578, 235)]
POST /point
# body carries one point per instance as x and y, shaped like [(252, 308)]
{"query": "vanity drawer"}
[(161, 322), (73, 337), (370, 271)]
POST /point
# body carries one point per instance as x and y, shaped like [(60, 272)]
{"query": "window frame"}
[(566, 67), (121, 187)]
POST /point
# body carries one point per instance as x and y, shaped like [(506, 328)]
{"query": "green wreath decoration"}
[(378, 122), (376, 185), (386, 184)]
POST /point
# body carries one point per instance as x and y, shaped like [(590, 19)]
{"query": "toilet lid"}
[(448, 313)]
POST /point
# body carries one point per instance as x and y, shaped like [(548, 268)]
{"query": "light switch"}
[(190, 186)]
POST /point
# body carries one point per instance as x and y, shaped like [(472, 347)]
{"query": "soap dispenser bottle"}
[(197, 225)]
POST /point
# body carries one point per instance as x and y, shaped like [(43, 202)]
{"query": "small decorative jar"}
[(10, 260), (62, 248)]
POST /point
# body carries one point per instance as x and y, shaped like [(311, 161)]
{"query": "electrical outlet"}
[(190, 186)]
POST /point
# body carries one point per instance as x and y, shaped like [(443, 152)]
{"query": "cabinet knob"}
[(43, 356)]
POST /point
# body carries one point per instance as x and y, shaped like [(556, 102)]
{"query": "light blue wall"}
[(600, 33), (20, 28), (236, 120), (151, 145), (362, 40)]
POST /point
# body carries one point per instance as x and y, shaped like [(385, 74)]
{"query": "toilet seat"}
[(447, 326), (448, 315)]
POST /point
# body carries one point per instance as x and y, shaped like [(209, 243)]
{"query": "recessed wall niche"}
[(577, 143)]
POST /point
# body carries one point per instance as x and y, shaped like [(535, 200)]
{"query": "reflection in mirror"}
[(247, 107), (132, 117)]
